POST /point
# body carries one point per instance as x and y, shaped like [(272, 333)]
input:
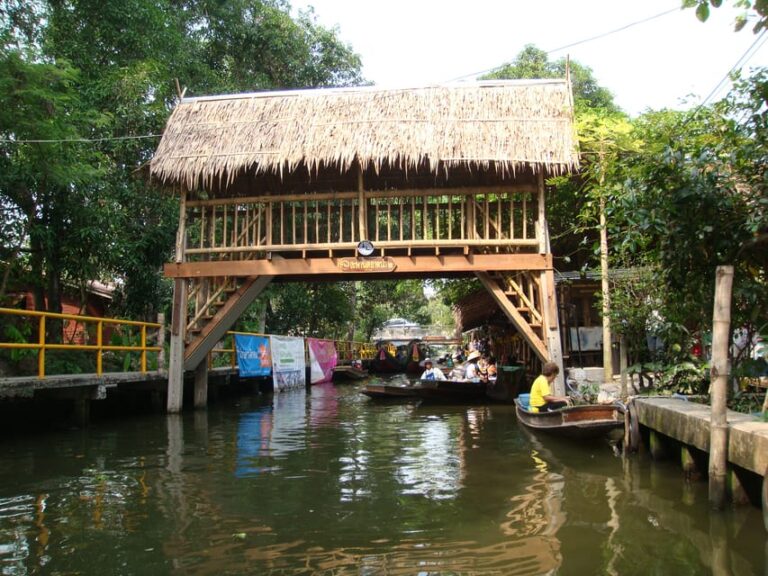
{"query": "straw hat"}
[(473, 355)]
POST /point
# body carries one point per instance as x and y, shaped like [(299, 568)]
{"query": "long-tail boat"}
[(580, 421)]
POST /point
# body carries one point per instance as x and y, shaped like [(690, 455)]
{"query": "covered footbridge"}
[(438, 181)]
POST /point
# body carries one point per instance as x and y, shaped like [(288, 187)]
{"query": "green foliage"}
[(755, 10), (534, 63), (73, 69)]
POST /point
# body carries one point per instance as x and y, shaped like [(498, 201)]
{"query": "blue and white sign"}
[(253, 355)]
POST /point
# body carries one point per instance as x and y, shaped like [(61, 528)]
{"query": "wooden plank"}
[(519, 291), (279, 266), (514, 316)]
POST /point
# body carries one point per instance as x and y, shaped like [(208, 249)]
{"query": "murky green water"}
[(329, 482)]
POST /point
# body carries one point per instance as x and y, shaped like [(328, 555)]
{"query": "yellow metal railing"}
[(42, 345), (345, 350)]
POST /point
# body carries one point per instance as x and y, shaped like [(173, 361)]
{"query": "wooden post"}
[(550, 325), (718, 439), (176, 351), (623, 364), (362, 212), (201, 385), (657, 445), (765, 505), (178, 320), (688, 462)]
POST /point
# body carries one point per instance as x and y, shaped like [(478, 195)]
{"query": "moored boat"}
[(581, 421), (346, 372), (430, 390)]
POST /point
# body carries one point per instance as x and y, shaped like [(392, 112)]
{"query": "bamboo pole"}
[(607, 337), (718, 439)]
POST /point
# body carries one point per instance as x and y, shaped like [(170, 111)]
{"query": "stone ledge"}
[(689, 422)]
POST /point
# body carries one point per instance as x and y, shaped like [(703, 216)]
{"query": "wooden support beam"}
[(279, 266), (214, 331), (514, 316)]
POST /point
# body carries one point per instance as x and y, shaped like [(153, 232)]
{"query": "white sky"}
[(655, 64)]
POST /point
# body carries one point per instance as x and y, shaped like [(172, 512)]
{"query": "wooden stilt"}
[(201, 385), (176, 351), (718, 443)]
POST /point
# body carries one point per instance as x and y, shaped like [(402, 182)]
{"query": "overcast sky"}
[(654, 64)]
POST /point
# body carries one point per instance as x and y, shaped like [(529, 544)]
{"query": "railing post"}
[(99, 346), (161, 342), (143, 348), (41, 349)]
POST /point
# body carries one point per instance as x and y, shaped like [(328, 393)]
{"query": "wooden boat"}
[(386, 362), (345, 372), (389, 392), (430, 390), (585, 421)]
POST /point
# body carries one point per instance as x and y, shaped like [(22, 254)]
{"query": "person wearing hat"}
[(431, 373), (470, 368)]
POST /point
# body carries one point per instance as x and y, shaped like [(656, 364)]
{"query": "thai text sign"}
[(288, 364), (253, 356), (366, 264)]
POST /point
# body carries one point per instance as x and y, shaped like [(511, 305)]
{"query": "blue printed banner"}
[(253, 355)]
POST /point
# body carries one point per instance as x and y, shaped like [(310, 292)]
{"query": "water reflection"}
[(326, 482)]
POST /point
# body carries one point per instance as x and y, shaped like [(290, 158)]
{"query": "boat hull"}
[(430, 390), (587, 421), (344, 372)]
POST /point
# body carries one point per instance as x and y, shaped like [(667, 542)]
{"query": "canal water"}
[(329, 482)]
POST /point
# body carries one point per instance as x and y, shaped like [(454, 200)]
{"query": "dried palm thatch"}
[(503, 125)]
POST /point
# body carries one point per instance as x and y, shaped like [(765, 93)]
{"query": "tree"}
[(690, 198), (51, 187), (111, 68), (533, 62)]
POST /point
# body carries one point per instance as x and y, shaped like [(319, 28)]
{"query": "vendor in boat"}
[(430, 372), (541, 399), (470, 368)]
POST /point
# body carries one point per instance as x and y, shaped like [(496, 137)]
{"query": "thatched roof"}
[(506, 126)]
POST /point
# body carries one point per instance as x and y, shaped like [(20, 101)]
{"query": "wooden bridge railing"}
[(85, 333), (332, 221)]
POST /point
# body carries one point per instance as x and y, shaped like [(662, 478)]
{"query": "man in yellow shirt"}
[(541, 399)]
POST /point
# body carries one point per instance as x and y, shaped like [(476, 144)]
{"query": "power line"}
[(603, 35), (75, 140), (590, 39), (743, 59)]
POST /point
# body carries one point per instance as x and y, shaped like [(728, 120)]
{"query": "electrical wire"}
[(743, 59), (578, 42), (75, 140)]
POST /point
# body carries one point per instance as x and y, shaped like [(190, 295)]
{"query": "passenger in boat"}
[(482, 368), (470, 368), (541, 399), (492, 369), (431, 373)]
